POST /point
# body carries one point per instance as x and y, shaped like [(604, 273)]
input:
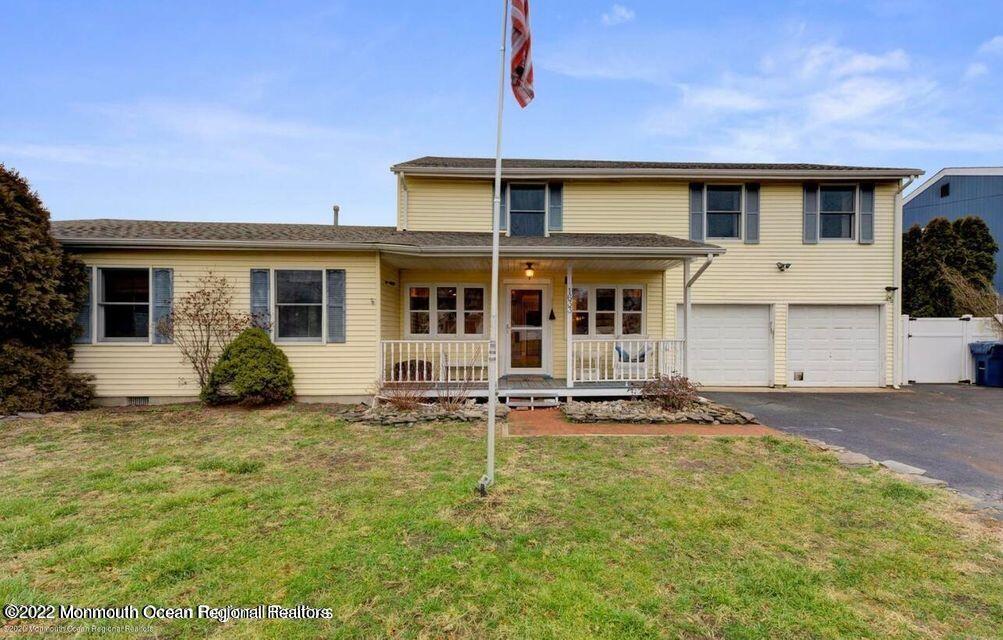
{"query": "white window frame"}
[(854, 226), (546, 205), (618, 311), (461, 310), (741, 212), (275, 306), (98, 295)]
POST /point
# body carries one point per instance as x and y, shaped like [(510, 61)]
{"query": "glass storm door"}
[(525, 330)]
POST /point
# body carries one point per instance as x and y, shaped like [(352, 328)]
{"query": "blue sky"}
[(273, 111)]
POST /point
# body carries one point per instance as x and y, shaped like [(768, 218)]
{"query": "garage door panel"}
[(834, 346), (731, 345)]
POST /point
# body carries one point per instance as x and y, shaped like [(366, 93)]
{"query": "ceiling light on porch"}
[(529, 270)]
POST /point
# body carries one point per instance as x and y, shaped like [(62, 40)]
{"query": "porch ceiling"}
[(515, 264)]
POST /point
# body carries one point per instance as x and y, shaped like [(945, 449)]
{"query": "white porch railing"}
[(431, 361), (624, 359)]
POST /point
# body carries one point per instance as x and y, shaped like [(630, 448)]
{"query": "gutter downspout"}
[(897, 342)]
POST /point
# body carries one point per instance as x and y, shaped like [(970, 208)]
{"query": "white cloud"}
[(722, 99), (994, 45), (975, 70), (840, 62), (618, 14)]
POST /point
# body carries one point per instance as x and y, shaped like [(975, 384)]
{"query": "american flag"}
[(522, 60)]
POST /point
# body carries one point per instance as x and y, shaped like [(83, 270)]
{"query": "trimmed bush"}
[(672, 393), (34, 379), (252, 372)]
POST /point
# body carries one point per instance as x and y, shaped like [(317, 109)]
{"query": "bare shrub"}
[(404, 396), (202, 322), (672, 393), (451, 395), (980, 301)]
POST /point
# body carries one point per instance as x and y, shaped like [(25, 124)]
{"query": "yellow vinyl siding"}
[(650, 280), (626, 206), (438, 204), (129, 369), (390, 302)]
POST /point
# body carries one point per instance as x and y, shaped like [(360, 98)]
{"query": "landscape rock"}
[(385, 413), (853, 459), (643, 411), (29, 415), (925, 481), (901, 467)]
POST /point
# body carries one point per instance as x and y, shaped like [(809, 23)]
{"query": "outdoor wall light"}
[(783, 266), (529, 270)]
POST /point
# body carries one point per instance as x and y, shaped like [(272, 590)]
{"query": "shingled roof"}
[(531, 166), (155, 233)]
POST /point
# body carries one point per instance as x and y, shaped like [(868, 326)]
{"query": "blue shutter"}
[(335, 305), (261, 314), (556, 211), (85, 330), (810, 217), (867, 214), (696, 211), (163, 302), (502, 218), (752, 213)]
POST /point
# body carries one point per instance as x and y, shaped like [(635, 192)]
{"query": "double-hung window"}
[(123, 305), (607, 311), (837, 212), (527, 209), (446, 310), (299, 304), (724, 211)]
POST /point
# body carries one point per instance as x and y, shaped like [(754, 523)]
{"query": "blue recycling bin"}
[(988, 363)]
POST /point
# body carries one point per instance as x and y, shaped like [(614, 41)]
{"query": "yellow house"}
[(753, 275)]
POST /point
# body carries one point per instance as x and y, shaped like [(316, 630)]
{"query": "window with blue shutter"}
[(260, 299), (810, 217), (696, 212), (85, 328), (752, 213), (556, 211), (163, 301), (867, 214), (336, 305)]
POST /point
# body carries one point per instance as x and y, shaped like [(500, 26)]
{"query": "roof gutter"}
[(584, 174), (399, 249)]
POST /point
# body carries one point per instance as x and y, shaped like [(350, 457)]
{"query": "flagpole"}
[(489, 475)]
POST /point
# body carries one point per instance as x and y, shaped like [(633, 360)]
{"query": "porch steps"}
[(532, 399)]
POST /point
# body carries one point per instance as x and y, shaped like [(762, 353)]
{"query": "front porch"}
[(567, 327)]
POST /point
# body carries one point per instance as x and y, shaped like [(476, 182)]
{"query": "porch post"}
[(687, 309), (568, 305)]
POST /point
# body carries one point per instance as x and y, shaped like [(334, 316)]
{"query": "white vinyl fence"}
[(936, 349)]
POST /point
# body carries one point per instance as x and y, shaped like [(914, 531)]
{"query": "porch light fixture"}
[(783, 266), (529, 270)]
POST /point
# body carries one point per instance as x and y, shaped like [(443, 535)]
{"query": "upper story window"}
[(945, 189), (837, 212), (607, 310), (448, 310), (724, 211), (527, 209), (299, 302), (124, 305)]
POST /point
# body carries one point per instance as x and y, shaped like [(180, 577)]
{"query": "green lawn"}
[(602, 537)]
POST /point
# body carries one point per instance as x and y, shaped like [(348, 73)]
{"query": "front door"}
[(526, 338)]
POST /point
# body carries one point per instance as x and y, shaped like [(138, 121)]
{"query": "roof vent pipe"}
[(336, 209)]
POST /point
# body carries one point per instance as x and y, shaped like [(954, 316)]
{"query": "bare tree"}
[(980, 301), (203, 322)]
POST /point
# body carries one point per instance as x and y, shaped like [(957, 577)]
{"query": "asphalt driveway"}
[(955, 432)]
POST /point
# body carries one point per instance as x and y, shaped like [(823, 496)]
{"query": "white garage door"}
[(731, 344), (833, 346)]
